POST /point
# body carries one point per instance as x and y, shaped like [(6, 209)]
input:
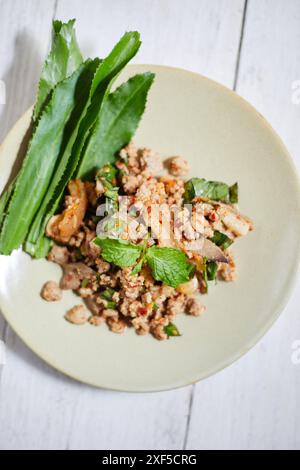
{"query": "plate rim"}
[(276, 312)]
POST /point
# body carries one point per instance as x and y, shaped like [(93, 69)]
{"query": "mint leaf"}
[(117, 122), (63, 59), (221, 240), (199, 187), (138, 266), (119, 252), (171, 330), (169, 265)]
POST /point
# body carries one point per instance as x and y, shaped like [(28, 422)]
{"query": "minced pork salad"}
[(135, 265), (136, 239)]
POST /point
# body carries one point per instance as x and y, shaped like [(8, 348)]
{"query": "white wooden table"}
[(254, 47)]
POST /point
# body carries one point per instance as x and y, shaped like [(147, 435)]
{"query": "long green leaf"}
[(63, 59), (117, 122), (49, 138), (4, 201), (108, 69)]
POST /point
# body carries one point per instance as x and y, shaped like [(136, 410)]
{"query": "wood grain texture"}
[(42, 409), (199, 35), (25, 33), (270, 64), (255, 403)]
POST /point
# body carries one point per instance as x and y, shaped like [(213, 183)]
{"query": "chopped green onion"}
[(108, 294), (171, 330), (221, 240), (211, 269), (205, 277)]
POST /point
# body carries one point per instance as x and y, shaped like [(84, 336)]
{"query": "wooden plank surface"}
[(199, 35), (45, 401), (255, 403), (24, 39)]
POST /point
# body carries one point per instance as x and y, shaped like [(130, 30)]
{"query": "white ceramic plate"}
[(223, 138)]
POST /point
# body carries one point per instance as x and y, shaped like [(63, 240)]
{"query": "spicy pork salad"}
[(137, 239)]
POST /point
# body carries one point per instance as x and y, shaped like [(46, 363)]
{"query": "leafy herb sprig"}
[(216, 190), (79, 125), (119, 252), (168, 265)]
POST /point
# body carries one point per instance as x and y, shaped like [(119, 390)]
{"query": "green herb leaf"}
[(63, 59), (119, 252), (199, 187), (138, 266), (42, 249), (118, 120), (4, 201), (169, 265), (108, 295), (107, 176), (37, 169), (111, 304), (211, 269), (234, 193), (221, 240), (171, 330), (112, 193), (107, 173), (205, 276), (101, 83), (121, 54)]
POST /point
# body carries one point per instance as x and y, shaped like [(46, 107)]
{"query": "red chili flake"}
[(213, 216), (142, 311)]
